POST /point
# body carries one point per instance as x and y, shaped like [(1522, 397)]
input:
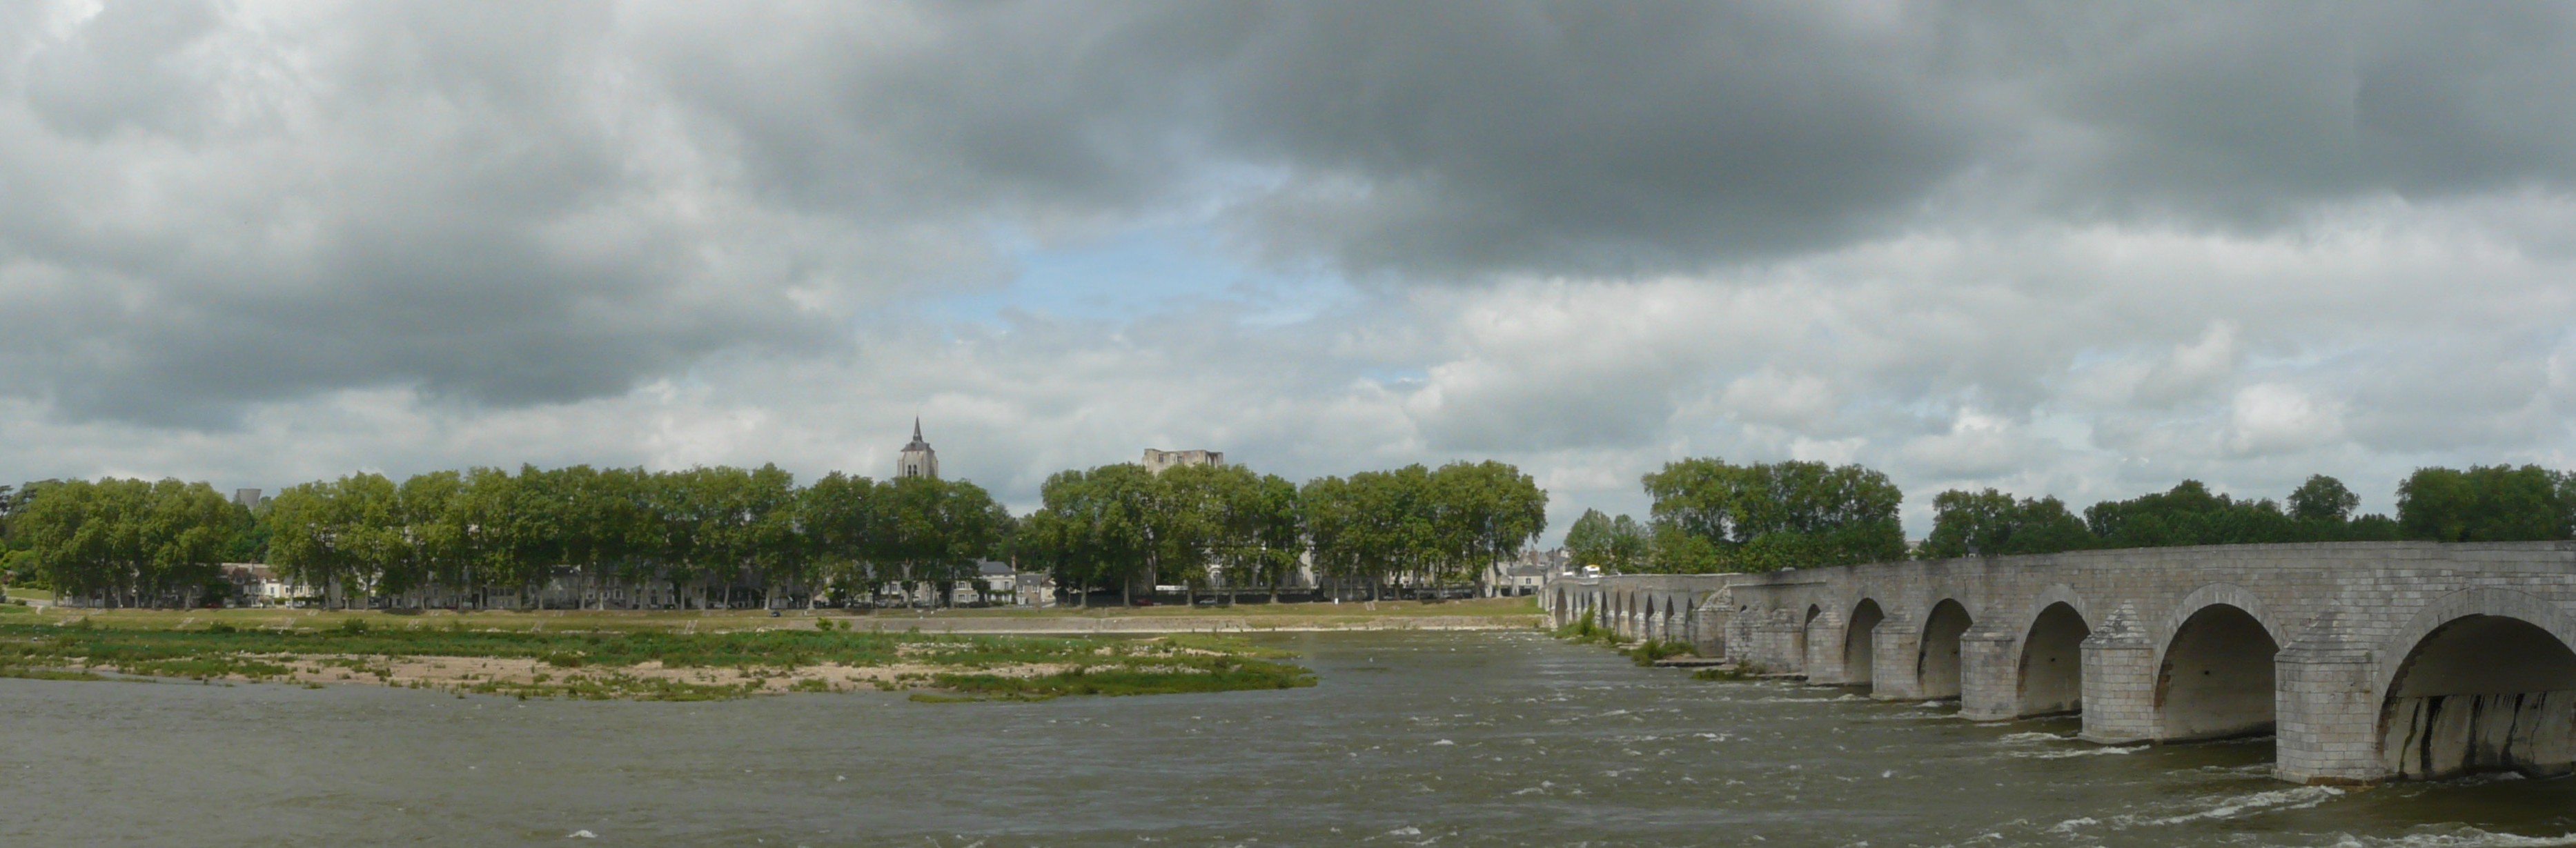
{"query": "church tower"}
[(917, 459)]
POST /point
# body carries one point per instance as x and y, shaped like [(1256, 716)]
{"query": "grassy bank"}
[(635, 663), (1497, 612), (1251, 608)]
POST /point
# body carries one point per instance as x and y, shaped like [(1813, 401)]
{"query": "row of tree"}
[(1710, 516), (487, 537), (725, 537), (1121, 526)]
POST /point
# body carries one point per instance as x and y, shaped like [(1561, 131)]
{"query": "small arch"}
[(1798, 640), (1860, 649), (1936, 666), (2052, 662), (2216, 679), (2219, 593)]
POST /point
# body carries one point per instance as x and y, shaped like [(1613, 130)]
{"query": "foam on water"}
[(2078, 752), (2297, 798), (2462, 836)]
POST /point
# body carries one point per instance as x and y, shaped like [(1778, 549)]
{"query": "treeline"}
[(487, 537), (729, 537), (1118, 526), (1710, 516), (125, 540), (2486, 503)]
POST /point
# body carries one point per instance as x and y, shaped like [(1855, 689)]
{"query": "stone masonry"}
[(2368, 661)]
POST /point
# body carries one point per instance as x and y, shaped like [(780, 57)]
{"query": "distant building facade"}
[(916, 459), (246, 498), (1157, 460), (1523, 574)]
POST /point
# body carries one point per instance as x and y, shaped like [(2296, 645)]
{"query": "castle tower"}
[(917, 459)]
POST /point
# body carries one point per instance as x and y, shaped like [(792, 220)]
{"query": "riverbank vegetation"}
[(645, 664), (1712, 516), (1379, 532), (728, 537)]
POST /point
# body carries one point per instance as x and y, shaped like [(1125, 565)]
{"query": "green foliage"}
[(2322, 498), (1713, 516), (127, 541), (1651, 650), (2487, 503), (1421, 526), (1586, 630), (1617, 545), (1992, 523)]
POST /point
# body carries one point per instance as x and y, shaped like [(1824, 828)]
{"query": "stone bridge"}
[(2368, 661), (1666, 607)]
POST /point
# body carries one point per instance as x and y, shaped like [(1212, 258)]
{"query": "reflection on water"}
[(1411, 739)]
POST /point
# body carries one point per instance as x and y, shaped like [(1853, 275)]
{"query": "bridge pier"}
[(1776, 644), (2119, 681), (1825, 651), (1712, 621), (1895, 671), (1988, 690), (2326, 709)]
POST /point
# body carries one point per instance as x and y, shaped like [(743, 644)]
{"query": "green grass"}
[(589, 663), (1647, 652), (1584, 631), (1262, 610), (1499, 611)]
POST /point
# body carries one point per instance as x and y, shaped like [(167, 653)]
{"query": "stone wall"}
[(2310, 641)]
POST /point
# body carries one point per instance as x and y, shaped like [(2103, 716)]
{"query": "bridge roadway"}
[(2368, 661)]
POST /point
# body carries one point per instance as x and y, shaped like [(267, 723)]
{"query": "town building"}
[(1523, 574), (916, 459), (1157, 460)]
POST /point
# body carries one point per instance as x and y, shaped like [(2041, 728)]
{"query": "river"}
[(1422, 739)]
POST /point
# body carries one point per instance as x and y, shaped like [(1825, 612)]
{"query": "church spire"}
[(917, 459)]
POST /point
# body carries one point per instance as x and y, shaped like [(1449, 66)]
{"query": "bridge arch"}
[(2480, 680), (1798, 638), (1860, 646), (2228, 594), (1936, 663), (2050, 674), (2214, 675)]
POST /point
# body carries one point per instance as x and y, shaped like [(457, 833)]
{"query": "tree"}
[(2487, 503), (337, 536), (934, 530), (1618, 545), (127, 542), (1710, 515), (1992, 523), (2323, 498), (839, 515)]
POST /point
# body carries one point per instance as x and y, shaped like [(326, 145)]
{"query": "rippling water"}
[(1410, 740)]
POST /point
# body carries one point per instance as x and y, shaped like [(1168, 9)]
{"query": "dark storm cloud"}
[(208, 205)]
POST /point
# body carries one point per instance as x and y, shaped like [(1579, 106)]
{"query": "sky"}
[(2082, 250)]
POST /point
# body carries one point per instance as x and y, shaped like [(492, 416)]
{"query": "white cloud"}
[(261, 243)]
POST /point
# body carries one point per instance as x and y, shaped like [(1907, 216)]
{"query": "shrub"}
[(1647, 652)]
